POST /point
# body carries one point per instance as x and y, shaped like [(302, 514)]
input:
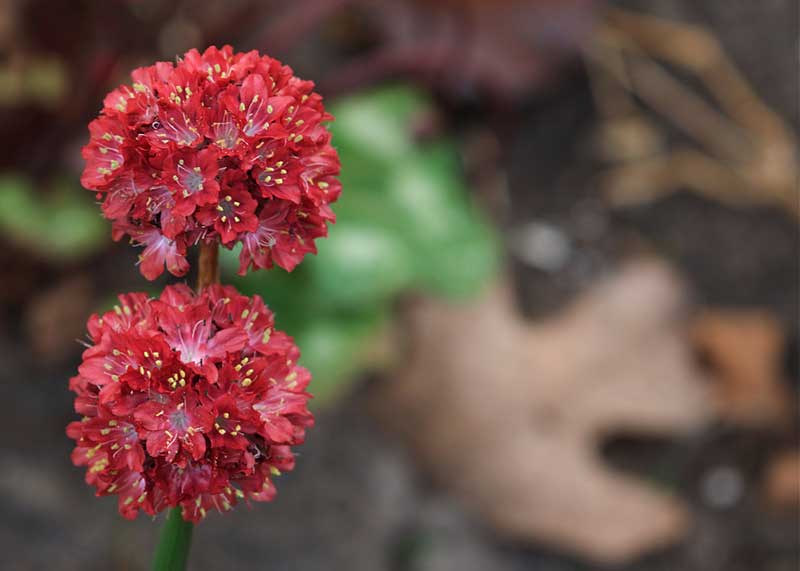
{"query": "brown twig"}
[(207, 265), (747, 153)]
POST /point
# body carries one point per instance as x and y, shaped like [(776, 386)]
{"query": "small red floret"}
[(166, 153), (188, 400)]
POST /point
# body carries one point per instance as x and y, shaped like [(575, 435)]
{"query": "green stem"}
[(174, 542)]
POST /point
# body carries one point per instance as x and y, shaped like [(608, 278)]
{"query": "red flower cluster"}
[(220, 147), (188, 400)]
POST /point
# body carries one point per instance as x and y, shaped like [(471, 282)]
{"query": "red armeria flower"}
[(219, 147), (188, 400)]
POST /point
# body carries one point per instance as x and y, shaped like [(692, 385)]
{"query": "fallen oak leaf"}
[(509, 415)]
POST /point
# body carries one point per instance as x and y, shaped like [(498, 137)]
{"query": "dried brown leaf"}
[(509, 415), (782, 481), (744, 349)]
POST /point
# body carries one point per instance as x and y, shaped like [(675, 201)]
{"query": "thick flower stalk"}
[(222, 147), (188, 400)]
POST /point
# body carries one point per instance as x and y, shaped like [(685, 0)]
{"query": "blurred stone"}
[(541, 245), (723, 487)]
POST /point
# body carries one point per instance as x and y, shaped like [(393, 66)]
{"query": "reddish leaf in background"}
[(503, 48)]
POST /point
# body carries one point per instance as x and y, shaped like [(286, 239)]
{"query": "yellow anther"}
[(228, 198), (226, 415)]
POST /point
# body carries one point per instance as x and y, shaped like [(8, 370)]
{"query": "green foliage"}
[(404, 222), (62, 224)]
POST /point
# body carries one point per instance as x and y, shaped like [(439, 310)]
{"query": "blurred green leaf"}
[(41, 81), (334, 348), (360, 266), (61, 224)]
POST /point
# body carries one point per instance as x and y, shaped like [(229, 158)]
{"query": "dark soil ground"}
[(356, 500)]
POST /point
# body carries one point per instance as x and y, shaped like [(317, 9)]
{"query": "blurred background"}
[(554, 327)]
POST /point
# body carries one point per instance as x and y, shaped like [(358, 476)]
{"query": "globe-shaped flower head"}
[(221, 147), (190, 400)]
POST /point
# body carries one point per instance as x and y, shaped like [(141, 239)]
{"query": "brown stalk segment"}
[(207, 265)]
